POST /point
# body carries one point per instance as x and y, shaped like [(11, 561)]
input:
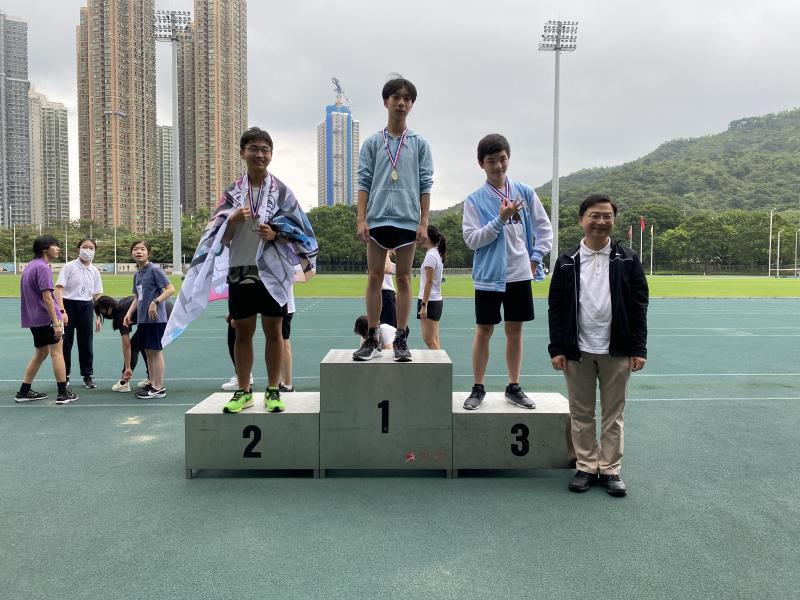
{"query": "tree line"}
[(706, 240)]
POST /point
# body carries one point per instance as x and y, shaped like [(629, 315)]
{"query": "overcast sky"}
[(643, 73)]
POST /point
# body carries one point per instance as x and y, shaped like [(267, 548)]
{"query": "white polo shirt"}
[(594, 315), (434, 261), (80, 281)]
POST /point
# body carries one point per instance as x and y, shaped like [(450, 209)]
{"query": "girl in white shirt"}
[(430, 303)]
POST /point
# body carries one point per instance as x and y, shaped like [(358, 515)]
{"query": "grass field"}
[(460, 286)]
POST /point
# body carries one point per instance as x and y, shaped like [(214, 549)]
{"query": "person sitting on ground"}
[(386, 332)]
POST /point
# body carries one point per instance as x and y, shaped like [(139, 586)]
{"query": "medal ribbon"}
[(396, 157), (499, 194), (255, 207)]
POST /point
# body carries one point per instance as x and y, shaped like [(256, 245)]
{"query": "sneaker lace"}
[(401, 342), (273, 394)]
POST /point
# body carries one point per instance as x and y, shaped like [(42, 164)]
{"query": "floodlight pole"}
[(769, 255), (14, 226), (795, 252), (170, 26), (558, 36), (778, 262)]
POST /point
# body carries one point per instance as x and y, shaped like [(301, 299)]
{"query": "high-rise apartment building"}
[(212, 92), (15, 176), (164, 204), (337, 155), (49, 160), (117, 113)]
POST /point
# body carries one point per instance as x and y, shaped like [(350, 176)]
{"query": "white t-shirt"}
[(388, 282), (434, 261), (594, 315), (518, 262), (386, 333), (80, 281)]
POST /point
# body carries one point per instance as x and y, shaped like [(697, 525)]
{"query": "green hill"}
[(754, 164)]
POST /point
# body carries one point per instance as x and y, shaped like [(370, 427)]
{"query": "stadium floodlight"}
[(558, 37), (172, 26), (778, 261), (796, 272)]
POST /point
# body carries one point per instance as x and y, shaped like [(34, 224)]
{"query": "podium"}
[(380, 414), (253, 438), (500, 435)]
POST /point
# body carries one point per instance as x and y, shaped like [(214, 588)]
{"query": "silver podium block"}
[(500, 435), (253, 438), (381, 414)]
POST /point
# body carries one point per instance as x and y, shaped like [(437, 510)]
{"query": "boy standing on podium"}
[(395, 176), (507, 227)]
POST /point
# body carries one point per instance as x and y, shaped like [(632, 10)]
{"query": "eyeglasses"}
[(596, 217), (259, 149)]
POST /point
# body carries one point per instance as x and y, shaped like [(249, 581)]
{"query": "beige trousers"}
[(613, 373)]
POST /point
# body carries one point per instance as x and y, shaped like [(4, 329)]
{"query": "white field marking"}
[(130, 421), (494, 375), (142, 439), (751, 398)]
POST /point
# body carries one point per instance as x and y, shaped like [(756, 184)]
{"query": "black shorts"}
[(252, 298), (392, 238), (149, 336), (517, 302), (434, 309), (286, 328), (389, 307), (43, 336)]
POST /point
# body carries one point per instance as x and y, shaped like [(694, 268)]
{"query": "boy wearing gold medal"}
[(395, 176)]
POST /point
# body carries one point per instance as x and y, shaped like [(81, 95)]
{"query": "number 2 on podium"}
[(384, 406)]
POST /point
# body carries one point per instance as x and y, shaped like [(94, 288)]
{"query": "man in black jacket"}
[(598, 332)]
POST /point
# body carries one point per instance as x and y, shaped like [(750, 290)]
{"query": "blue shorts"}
[(150, 334)]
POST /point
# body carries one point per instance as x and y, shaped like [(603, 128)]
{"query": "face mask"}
[(86, 254)]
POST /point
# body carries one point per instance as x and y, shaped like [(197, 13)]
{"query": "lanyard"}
[(393, 159)]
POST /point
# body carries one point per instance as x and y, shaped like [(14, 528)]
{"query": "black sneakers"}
[(401, 351), (30, 396), (582, 481), (149, 392), (370, 348), (89, 383), (473, 402), (517, 397), (66, 397), (285, 389), (614, 485)]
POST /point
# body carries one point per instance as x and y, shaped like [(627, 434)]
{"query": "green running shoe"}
[(239, 402), (272, 399)]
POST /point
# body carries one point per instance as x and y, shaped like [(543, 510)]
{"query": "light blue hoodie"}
[(395, 203), (484, 232)]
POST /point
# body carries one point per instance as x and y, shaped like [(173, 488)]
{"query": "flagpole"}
[(652, 234), (641, 238)]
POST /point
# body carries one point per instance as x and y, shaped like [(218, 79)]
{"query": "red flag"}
[(630, 232), (641, 223)]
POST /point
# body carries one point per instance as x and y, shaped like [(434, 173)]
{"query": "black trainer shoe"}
[(517, 397), (285, 388), (614, 485), (370, 348), (30, 396), (66, 397), (89, 383), (401, 351), (582, 481), (149, 392), (473, 402)]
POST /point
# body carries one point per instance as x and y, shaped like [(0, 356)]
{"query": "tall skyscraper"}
[(117, 113), (164, 204), (49, 160), (337, 154), (15, 176), (212, 91)]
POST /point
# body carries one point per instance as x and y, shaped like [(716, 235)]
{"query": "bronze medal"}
[(395, 176)]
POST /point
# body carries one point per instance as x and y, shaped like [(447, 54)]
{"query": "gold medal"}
[(394, 175)]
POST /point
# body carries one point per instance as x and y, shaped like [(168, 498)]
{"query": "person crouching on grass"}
[(150, 288), (43, 315)]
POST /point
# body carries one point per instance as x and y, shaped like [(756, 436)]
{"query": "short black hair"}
[(362, 326), (42, 243), (102, 304), (86, 240), (595, 199), (253, 134), (396, 83), (143, 243), (492, 144)]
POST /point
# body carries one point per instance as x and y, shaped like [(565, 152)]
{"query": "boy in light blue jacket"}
[(395, 176), (507, 227)]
